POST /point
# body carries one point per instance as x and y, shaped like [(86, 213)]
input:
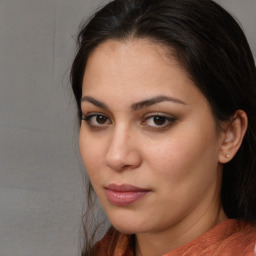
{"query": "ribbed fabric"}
[(228, 238)]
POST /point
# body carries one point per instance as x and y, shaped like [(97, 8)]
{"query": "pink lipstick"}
[(124, 194)]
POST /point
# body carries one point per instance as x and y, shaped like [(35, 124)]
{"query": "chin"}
[(127, 224), (126, 229)]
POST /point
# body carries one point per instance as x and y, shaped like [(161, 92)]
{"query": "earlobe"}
[(233, 134)]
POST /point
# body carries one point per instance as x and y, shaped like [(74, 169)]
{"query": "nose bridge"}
[(120, 137), (122, 151)]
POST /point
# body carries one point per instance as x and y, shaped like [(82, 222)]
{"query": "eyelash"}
[(168, 120), (90, 118)]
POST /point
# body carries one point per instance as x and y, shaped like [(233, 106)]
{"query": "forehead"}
[(136, 67)]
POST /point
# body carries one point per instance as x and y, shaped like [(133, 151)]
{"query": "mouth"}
[(124, 194)]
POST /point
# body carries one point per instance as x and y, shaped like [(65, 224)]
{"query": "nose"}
[(123, 153)]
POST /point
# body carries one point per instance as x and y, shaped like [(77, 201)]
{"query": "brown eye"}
[(101, 119), (158, 121), (96, 120)]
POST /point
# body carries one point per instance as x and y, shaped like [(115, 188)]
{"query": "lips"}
[(124, 194)]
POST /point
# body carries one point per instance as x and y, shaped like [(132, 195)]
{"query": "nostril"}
[(122, 152), (125, 167)]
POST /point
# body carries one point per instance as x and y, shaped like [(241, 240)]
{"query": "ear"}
[(232, 136)]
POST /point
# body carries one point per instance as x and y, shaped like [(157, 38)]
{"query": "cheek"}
[(169, 163), (187, 155), (91, 154), (83, 144), (171, 153), (182, 172)]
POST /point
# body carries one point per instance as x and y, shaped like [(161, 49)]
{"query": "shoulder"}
[(229, 238), (239, 238)]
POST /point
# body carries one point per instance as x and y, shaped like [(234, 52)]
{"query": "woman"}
[(166, 91)]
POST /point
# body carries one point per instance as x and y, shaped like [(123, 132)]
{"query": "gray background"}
[(41, 187)]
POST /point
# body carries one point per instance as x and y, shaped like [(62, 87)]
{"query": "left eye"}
[(158, 121)]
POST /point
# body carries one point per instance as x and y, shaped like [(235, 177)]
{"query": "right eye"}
[(96, 120)]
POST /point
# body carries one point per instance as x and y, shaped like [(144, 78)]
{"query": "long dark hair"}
[(212, 48)]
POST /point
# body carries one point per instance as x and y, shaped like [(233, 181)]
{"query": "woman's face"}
[(148, 139)]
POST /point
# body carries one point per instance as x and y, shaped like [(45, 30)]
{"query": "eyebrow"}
[(155, 100), (137, 105), (94, 102)]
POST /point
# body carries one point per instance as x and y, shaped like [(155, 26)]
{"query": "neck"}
[(159, 243)]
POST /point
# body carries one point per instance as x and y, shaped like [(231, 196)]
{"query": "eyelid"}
[(88, 117), (90, 114), (96, 124), (169, 118)]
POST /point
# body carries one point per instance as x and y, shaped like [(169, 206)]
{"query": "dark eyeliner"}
[(87, 117), (168, 118), (88, 120)]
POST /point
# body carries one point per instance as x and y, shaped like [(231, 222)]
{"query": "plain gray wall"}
[(41, 188)]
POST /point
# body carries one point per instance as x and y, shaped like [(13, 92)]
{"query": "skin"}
[(178, 161)]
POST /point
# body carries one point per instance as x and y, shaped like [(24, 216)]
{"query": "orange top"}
[(228, 238)]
